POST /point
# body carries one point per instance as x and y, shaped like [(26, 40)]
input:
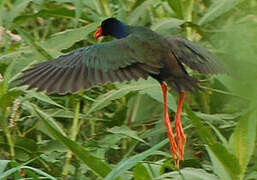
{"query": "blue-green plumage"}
[(137, 53)]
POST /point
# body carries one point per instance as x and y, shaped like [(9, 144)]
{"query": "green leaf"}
[(78, 10), (30, 40), (63, 1), (188, 174), (16, 9), (26, 144), (65, 39), (35, 109), (106, 8), (140, 172), (164, 26), (138, 111), (8, 72), (2, 11), (124, 130), (39, 172), (217, 9), (99, 167), (176, 5), (49, 13), (3, 165), (95, 9), (225, 164), (126, 164), (203, 132), (251, 176), (15, 169), (138, 12), (105, 99), (22, 57), (150, 87), (11, 171), (242, 141), (219, 135), (156, 93), (217, 117), (60, 113), (7, 98), (43, 97)]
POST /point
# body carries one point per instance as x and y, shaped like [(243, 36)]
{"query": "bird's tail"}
[(185, 83)]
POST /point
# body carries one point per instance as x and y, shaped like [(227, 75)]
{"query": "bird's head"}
[(111, 27)]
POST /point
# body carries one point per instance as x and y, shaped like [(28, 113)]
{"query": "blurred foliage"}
[(116, 131)]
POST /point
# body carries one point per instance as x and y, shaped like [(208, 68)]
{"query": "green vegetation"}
[(116, 131)]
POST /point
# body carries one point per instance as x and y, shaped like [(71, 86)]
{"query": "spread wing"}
[(195, 56), (119, 60)]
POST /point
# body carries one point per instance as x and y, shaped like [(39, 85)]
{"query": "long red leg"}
[(167, 123), (180, 135)]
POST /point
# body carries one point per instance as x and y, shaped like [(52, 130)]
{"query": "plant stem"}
[(189, 18), (73, 134), (10, 142), (106, 8), (92, 127), (4, 125)]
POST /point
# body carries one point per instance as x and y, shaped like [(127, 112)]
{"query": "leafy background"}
[(116, 131)]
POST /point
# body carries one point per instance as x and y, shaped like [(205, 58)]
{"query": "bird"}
[(136, 52)]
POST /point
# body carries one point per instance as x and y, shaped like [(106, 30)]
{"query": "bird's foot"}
[(173, 144), (180, 135), (177, 146), (181, 139)]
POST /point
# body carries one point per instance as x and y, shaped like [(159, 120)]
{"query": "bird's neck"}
[(130, 29), (139, 30), (127, 30), (119, 32)]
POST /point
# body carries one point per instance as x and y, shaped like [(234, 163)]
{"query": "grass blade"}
[(204, 133), (138, 12), (150, 87), (3, 165), (164, 26), (225, 163), (65, 39), (16, 9), (126, 164), (49, 13), (98, 167), (43, 97), (217, 9), (141, 173), (176, 5), (105, 99), (78, 10), (242, 141), (33, 44)]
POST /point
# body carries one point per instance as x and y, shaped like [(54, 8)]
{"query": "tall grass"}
[(116, 131)]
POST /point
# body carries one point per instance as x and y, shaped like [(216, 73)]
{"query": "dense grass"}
[(117, 131)]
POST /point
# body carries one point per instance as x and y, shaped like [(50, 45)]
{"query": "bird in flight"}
[(137, 52)]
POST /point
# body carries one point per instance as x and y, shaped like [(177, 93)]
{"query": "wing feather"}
[(46, 81), (119, 60), (54, 82), (195, 56), (32, 79)]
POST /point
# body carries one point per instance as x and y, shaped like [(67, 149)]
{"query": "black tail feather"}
[(185, 83)]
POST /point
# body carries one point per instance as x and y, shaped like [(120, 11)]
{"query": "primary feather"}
[(138, 53)]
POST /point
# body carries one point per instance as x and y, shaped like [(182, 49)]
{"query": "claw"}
[(177, 147)]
